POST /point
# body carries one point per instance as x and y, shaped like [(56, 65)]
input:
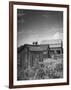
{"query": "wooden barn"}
[(30, 55)]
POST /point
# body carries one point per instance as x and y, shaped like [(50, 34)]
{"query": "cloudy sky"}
[(35, 25)]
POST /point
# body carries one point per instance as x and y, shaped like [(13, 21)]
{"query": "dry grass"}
[(49, 69)]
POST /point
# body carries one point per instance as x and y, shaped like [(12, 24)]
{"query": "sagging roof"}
[(41, 47)]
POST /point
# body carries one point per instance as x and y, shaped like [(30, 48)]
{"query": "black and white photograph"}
[(40, 44)]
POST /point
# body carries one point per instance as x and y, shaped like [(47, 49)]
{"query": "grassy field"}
[(48, 69)]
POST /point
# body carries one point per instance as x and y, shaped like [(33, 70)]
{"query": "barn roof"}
[(41, 47)]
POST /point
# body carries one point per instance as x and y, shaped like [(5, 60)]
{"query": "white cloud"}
[(58, 35)]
